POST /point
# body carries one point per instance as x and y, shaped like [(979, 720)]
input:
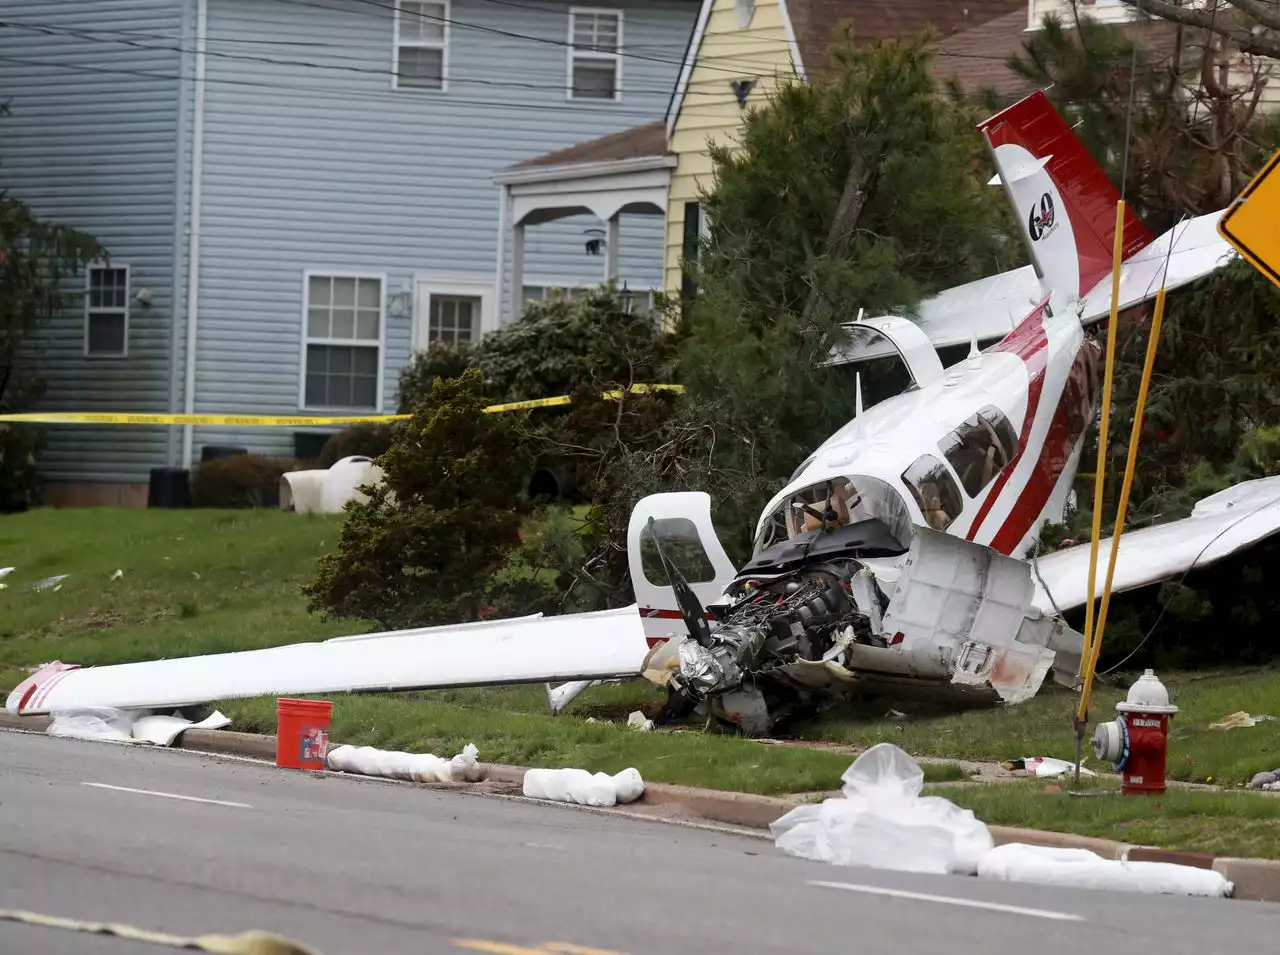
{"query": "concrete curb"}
[(1254, 879)]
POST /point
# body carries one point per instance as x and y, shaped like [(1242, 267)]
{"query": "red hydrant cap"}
[(1147, 695)]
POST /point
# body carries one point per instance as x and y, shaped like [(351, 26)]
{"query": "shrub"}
[(369, 440), (427, 367), (424, 547), (239, 480), (19, 483)]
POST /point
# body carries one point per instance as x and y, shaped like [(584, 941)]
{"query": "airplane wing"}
[(601, 645), (1197, 250), (989, 308), (1220, 525)]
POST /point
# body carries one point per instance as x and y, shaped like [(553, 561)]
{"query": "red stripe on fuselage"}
[(1070, 418), (1030, 342)]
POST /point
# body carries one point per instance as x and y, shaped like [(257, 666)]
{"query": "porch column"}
[(517, 272), (612, 232)]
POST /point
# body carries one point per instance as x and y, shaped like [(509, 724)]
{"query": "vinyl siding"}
[(92, 144), (330, 169), (710, 110)]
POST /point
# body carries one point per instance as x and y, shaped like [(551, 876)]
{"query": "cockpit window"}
[(980, 448), (934, 490), (840, 501)]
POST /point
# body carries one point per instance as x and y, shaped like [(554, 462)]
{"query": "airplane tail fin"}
[(1065, 205)]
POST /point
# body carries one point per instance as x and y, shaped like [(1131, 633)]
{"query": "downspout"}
[(504, 202), (193, 238), (179, 234)]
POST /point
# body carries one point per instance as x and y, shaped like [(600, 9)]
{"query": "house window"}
[(421, 41), (106, 312), (547, 293), (454, 319), (595, 60), (343, 352), (745, 9)]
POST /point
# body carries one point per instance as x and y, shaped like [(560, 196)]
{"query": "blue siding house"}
[(298, 194)]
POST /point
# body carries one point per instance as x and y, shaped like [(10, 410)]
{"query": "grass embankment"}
[(208, 581)]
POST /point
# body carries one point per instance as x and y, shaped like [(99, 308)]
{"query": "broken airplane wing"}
[(1220, 525), (601, 645)]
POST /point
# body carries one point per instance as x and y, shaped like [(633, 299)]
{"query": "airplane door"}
[(682, 521)]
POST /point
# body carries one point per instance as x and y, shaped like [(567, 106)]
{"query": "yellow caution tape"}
[(287, 421), (248, 943)]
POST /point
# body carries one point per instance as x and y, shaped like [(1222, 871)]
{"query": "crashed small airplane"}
[(893, 558)]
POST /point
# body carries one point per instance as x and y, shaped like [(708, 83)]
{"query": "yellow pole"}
[(1134, 435), (1100, 481)]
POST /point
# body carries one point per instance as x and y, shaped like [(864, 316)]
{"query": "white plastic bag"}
[(1082, 869), (883, 822), (100, 723)]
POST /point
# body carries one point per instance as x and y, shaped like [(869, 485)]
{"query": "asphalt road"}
[(356, 867)]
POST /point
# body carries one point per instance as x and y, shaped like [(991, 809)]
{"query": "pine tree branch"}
[(1245, 40)]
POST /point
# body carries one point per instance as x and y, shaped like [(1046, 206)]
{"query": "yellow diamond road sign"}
[(1252, 223)]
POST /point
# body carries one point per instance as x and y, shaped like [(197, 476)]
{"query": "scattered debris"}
[(5, 572), (118, 574), (883, 822), (1046, 767), (108, 724), (583, 788), (1269, 780), (418, 767), (1082, 869), (54, 583), (637, 720), (1240, 719)]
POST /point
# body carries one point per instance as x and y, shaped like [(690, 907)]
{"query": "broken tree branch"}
[(1259, 44)]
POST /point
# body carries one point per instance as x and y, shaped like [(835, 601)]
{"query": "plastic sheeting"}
[(107, 724), (418, 767), (883, 822), (1082, 869), (583, 788)]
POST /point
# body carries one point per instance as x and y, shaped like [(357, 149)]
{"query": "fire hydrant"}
[(1137, 742)]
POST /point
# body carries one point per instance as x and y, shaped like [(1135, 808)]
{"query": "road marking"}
[(150, 792), (951, 900), (495, 948), (545, 948)]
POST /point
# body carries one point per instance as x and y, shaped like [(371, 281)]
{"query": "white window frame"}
[(90, 310), (550, 285), (427, 284), (573, 54), (443, 46), (338, 273)]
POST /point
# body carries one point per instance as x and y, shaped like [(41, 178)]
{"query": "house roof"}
[(978, 57), (818, 24), (639, 141)]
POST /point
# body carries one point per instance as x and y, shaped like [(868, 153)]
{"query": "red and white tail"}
[(1065, 205)]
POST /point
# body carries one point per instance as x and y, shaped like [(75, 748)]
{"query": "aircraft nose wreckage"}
[(840, 609)]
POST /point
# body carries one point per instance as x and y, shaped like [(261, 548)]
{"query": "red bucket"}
[(302, 733)]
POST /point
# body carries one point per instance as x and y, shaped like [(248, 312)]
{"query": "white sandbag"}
[(881, 821), (418, 767), (628, 786), (465, 767), (1082, 869), (582, 788)]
